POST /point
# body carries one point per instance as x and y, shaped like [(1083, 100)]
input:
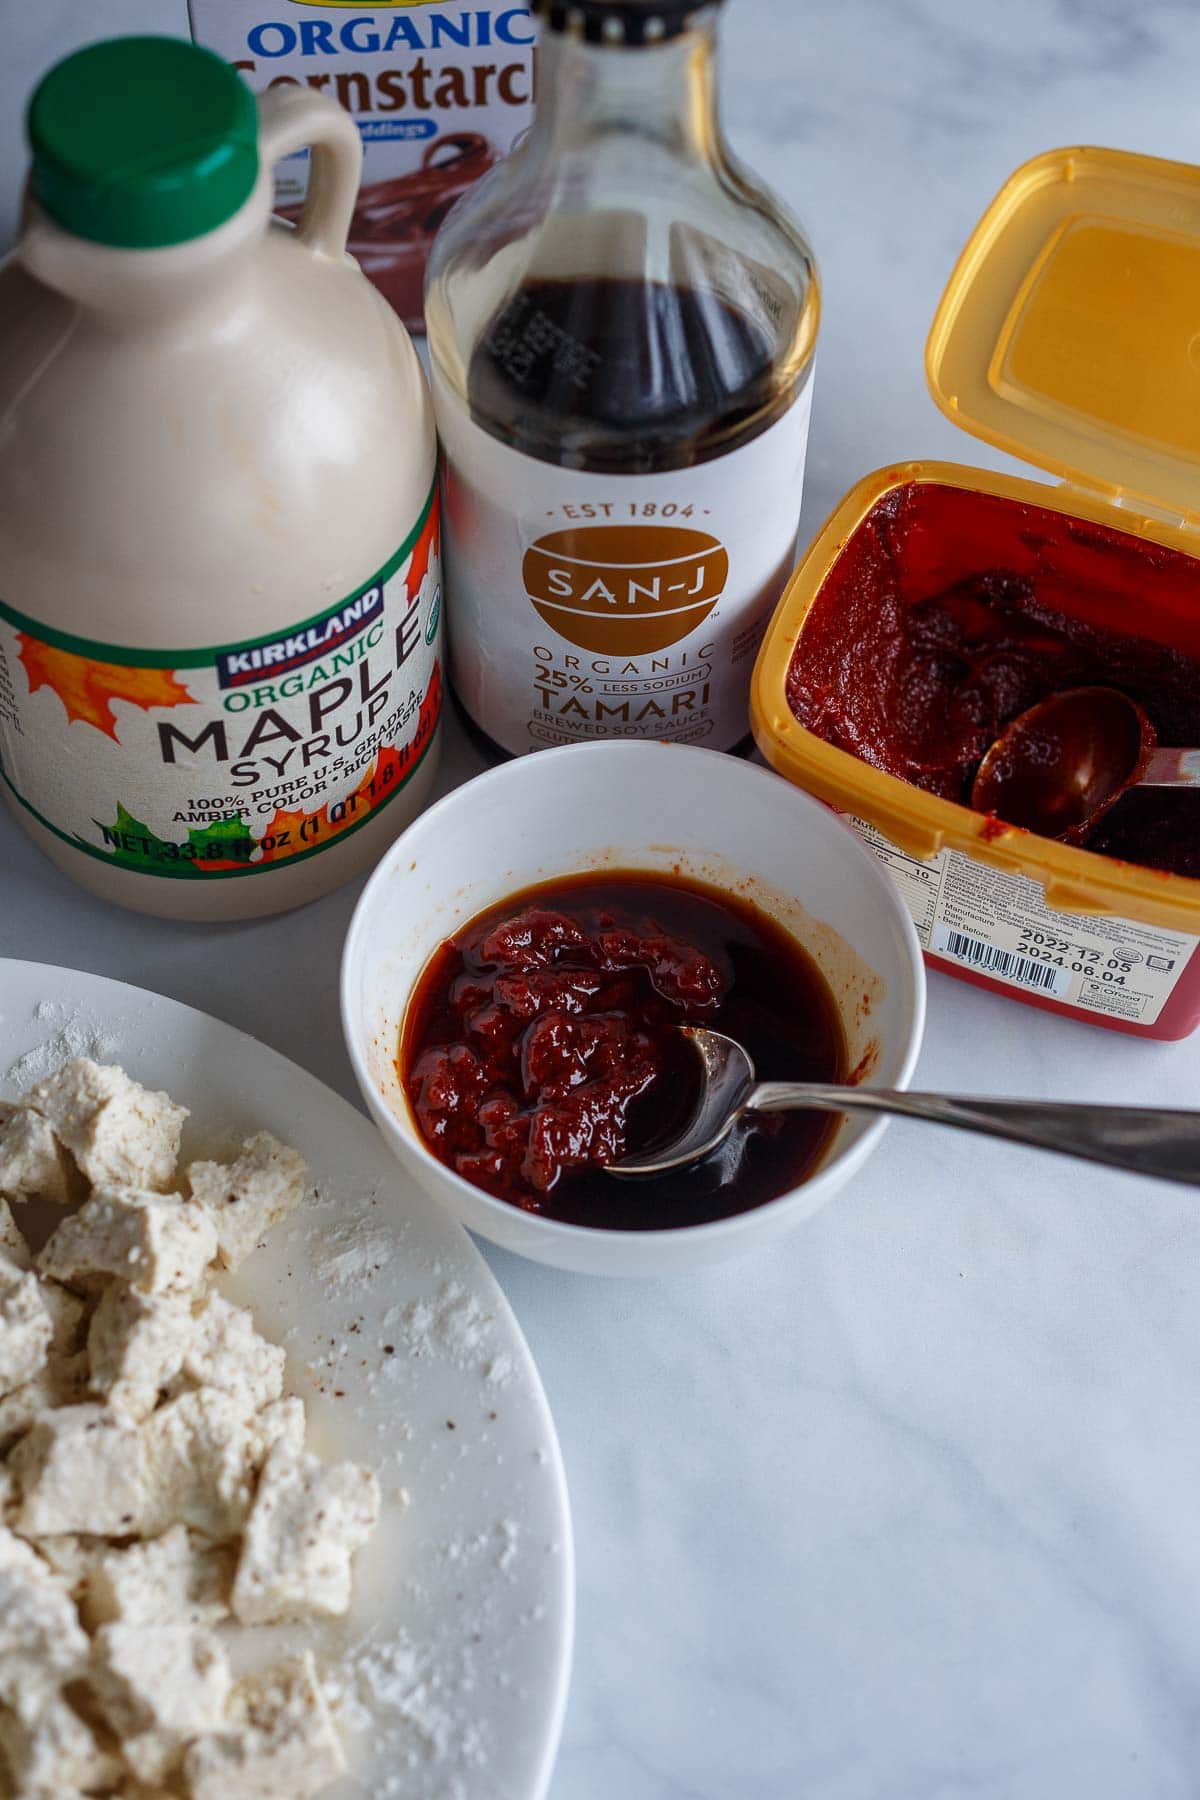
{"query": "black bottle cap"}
[(620, 22)]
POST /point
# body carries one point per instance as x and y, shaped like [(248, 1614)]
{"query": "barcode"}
[(1000, 962)]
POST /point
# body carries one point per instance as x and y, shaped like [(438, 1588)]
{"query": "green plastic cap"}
[(142, 142)]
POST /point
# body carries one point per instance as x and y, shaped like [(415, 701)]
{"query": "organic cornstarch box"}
[(439, 89)]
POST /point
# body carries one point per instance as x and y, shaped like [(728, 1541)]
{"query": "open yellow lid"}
[(1069, 333)]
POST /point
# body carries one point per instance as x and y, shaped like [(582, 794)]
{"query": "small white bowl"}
[(649, 807)]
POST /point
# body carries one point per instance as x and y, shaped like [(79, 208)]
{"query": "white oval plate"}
[(454, 1662)]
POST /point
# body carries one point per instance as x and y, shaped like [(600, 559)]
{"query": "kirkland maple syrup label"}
[(586, 606), (231, 761)]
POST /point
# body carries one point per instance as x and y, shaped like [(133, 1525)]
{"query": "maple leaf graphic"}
[(424, 548), (141, 847), (87, 688)]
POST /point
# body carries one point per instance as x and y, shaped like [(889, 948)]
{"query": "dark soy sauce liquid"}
[(624, 377), (776, 1002)]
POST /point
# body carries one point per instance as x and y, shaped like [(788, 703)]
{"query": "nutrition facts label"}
[(999, 925)]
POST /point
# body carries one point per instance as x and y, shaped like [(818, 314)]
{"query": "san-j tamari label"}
[(587, 606), (232, 760)]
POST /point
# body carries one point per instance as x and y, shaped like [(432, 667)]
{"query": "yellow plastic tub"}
[(1067, 333)]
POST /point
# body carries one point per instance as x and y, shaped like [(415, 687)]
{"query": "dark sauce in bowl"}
[(541, 1042)]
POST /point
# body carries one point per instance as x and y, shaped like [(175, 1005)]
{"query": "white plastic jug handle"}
[(297, 118)]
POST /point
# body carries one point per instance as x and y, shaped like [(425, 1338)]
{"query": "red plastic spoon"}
[(1057, 768)]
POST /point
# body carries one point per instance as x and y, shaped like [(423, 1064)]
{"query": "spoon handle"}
[(1149, 1140), (1171, 768)]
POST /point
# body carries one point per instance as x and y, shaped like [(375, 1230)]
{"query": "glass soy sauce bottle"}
[(621, 325)]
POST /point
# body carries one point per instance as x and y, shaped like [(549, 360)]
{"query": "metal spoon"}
[(1148, 1140), (1059, 766)]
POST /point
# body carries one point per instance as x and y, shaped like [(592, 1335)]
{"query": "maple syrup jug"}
[(621, 329), (219, 564)]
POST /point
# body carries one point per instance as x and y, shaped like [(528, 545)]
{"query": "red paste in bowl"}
[(542, 1043)]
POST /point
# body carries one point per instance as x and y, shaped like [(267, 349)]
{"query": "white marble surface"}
[(906, 1510)]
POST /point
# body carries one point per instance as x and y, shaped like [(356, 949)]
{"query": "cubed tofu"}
[(81, 1468), (42, 1644), (158, 1686), (136, 1345), (68, 1316), (279, 1740), (117, 1131), (62, 1382), (247, 1197), (52, 1753), (25, 1327), (193, 1433), (33, 1164), (225, 1351), (13, 1243), (281, 1422), (174, 1579), (155, 1242), (307, 1521), (199, 1464), (74, 1558), (151, 1756)]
